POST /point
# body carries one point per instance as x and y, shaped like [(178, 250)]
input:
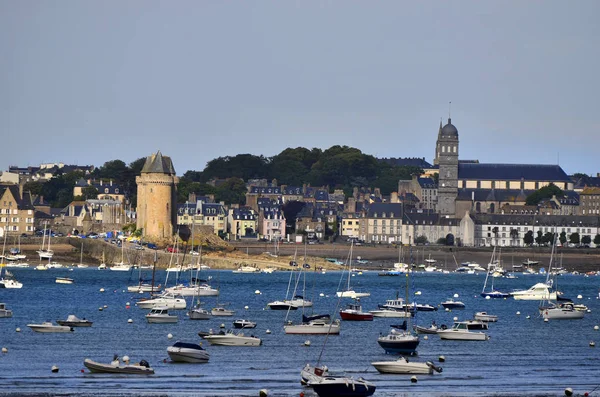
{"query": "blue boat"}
[(334, 386)]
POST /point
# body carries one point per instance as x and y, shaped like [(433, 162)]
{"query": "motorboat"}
[(461, 331), (244, 324), (350, 293), (495, 294), (452, 304), (476, 325), (282, 305), (182, 352), (102, 266), (116, 367), (311, 374), (561, 311), (403, 366), (198, 313), (314, 325), (268, 270), (390, 313), (54, 265), (343, 386), (529, 262), (41, 266), (74, 321), (64, 280), (230, 339), (221, 311), (483, 316), (300, 301), (4, 312), (7, 281), (193, 290), (160, 315), (432, 329), (539, 291), (47, 326), (246, 269), (399, 341), (170, 301), (353, 312), (120, 267)]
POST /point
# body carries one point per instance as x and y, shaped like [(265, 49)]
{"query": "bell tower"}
[(447, 150)]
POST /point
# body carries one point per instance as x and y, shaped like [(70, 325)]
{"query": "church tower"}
[(447, 156), (438, 147), (156, 197)]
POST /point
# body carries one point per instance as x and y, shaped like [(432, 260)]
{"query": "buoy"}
[(413, 379), (19, 329), (518, 313), (130, 321), (528, 317), (126, 303), (545, 320), (105, 306), (456, 295), (4, 350), (321, 294), (592, 344), (488, 297), (418, 293), (268, 331), (222, 325), (568, 391), (425, 337), (257, 292), (100, 308), (455, 319), (170, 336), (441, 359), (306, 343), (596, 328), (54, 368), (246, 307), (263, 393), (447, 309), (125, 359), (82, 371), (101, 289), (579, 297)]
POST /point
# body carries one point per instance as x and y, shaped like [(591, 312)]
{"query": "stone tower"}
[(156, 197), (438, 148), (447, 147)]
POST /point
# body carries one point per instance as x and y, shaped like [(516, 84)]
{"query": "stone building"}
[(156, 195), (17, 214), (447, 158)]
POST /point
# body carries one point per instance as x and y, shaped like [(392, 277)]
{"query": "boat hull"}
[(96, 367), (233, 340), (403, 367), (343, 387), (408, 346), (450, 334), (356, 316), (187, 355), (312, 329), (49, 328), (389, 313), (161, 319)]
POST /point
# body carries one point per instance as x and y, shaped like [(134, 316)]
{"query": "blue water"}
[(523, 356)]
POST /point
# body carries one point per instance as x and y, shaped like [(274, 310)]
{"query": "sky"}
[(86, 82)]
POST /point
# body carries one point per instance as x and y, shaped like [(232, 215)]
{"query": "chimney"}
[(394, 198), (111, 182), (100, 182)]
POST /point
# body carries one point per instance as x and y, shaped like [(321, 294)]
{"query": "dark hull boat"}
[(335, 386)]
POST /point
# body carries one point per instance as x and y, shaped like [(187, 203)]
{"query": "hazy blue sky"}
[(90, 81)]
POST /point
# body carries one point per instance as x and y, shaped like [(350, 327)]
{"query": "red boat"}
[(355, 313)]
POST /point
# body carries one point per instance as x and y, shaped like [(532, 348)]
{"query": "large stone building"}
[(17, 214), (447, 158), (156, 195)]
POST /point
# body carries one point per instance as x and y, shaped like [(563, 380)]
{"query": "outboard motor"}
[(434, 367), (144, 363)]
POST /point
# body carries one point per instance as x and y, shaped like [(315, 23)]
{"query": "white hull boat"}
[(538, 292), (563, 311), (4, 312), (64, 280), (221, 311), (166, 300), (160, 315), (198, 290), (49, 327), (117, 368), (310, 374), (120, 268), (352, 294), (231, 339), (10, 283), (403, 366), (74, 321), (313, 328), (182, 352), (390, 313), (483, 316), (460, 331)]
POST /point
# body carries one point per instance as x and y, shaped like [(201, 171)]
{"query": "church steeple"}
[(436, 158)]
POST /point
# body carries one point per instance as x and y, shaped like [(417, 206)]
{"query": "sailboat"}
[(102, 265), (400, 339), (80, 265), (121, 266), (492, 293), (6, 279), (540, 291), (558, 308), (349, 292), (296, 301), (46, 253)]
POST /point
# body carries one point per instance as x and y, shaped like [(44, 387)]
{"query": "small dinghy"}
[(73, 321), (187, 353), (116, 367)]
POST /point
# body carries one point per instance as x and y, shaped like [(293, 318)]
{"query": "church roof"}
[(450, 130), (512, 172), (506, 195), (158, 164)]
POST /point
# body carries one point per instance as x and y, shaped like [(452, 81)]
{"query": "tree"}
[(597, 239), (574, 238), (291, 209), (563, 238), (528, 238), (35, 187), (421, 240), (232, 191), (539, 237), (548, 238), (544, 193), (586, 240), (441, 241), (89, 193)]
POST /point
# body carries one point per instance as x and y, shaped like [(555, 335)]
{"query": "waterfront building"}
[(156, 196), (590, 201), (17, 213), (242, 223)]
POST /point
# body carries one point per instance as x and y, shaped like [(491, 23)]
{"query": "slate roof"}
[(407, 161), (541, 220), (391, 210), (507, 195), (267, 190), (158, 164), (591, 181), (211, 209), (427, 183), (23, 203), (512, 172), (183, 209), (243, 214)]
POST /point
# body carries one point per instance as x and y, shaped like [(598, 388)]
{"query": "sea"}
[(524, 356)]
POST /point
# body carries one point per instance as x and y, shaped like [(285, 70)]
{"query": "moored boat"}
[(74, 321), (403, 366), (187, 353), (116, 367), (48, 327), (353, 312), (230, 339), (461, 331), (343, 386)]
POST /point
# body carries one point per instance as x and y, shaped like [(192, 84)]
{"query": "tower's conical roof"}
[(158, 164)]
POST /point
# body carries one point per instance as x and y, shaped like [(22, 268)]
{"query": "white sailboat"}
[(121, 266), (350, 292), (46, 253), (6, 278)]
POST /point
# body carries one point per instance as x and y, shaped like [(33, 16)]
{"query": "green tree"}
[(528, 238), (35, 187), (548, 238), (539, 237), (232, 191), (544, 193), (89, 193), (441, 241), (420, 240), (597, 239), (574, 238), (586, 240), (563, 238), (291, 209), (243, 166)]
